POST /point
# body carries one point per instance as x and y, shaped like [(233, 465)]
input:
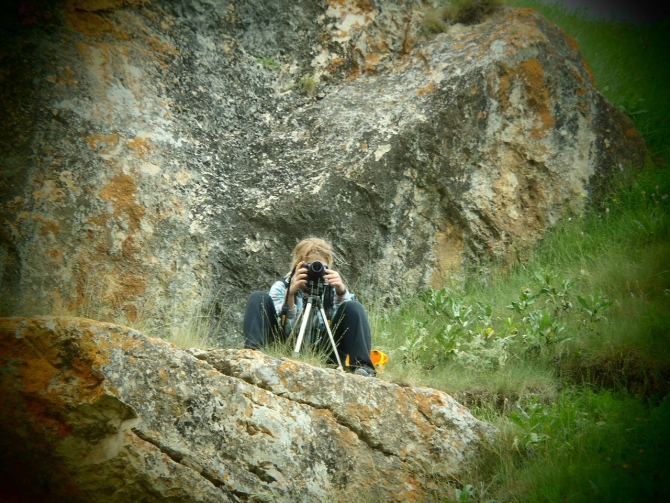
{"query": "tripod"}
[(316, 302)]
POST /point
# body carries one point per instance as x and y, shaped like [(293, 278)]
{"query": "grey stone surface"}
[(100, 413)]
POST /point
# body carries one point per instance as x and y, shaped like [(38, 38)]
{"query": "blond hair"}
[(312, 246)]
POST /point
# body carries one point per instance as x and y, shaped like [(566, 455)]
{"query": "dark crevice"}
[(177, 457), (362, 436)]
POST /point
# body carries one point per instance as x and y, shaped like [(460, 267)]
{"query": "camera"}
[(315, 272)]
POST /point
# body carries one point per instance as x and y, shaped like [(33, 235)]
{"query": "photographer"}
[(350, 325)]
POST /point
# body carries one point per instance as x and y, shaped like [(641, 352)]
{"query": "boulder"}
[(154, 153), (91, 411)]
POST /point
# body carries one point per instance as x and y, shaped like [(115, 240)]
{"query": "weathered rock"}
[(148, 150), (99, 412)]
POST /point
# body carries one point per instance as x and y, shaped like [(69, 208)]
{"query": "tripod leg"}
[(332, 339), (301, 334)]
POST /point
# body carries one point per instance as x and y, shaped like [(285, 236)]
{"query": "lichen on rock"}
[(109, 415), (147, 152)]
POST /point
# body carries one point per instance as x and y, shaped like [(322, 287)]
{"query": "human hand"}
[(299, 279), (333, 278)]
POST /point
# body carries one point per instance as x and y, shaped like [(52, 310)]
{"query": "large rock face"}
[(151, 147), (98, 412)]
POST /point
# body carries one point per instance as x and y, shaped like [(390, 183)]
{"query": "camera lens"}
[(316, 267)]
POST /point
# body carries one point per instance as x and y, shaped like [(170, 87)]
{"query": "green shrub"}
[(308, 85), (268, 62), (433, 21), (458, 11), (469, 11)]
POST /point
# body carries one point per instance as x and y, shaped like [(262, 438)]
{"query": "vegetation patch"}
[(458, 11)]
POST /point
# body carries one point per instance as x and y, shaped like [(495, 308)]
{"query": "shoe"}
[(365, 372)]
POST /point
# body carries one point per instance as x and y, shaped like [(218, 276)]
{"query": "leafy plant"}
[(414, 343), (466, 332), (558, 295), (466, 494), (542, 327), (535, 422), (593, 305), (526, 299), (268, 62)]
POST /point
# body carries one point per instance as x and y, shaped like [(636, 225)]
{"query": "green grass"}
[(578, 387), (308, 85), (436, 20)]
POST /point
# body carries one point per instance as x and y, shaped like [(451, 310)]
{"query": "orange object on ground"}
[(378, 358)]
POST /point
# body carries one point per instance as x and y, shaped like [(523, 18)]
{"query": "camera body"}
[(315, 272)]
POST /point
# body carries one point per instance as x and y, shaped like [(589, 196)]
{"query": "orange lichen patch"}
[(55, 254), (337, 61), (371, 62), (115, 287), (482, 114), (131, 312), (89, 23), (523, 13), (48, 192), (336, 3), (365, 415), (425, 59), (631, 132), (121, 192), (141, 146), (355, 69), (571, 41), (99, 220), (448, 250), (592, 77), (580, 91), (163, 48), (428, 89), (364, 146), (473, 90), (130, 248), (365, 6), (103, 144), (52, 369), (133, 284), (94, 25), (531, 73), (48, 226), (383, 46), (58, 79), (407, 44), (519, 31)]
